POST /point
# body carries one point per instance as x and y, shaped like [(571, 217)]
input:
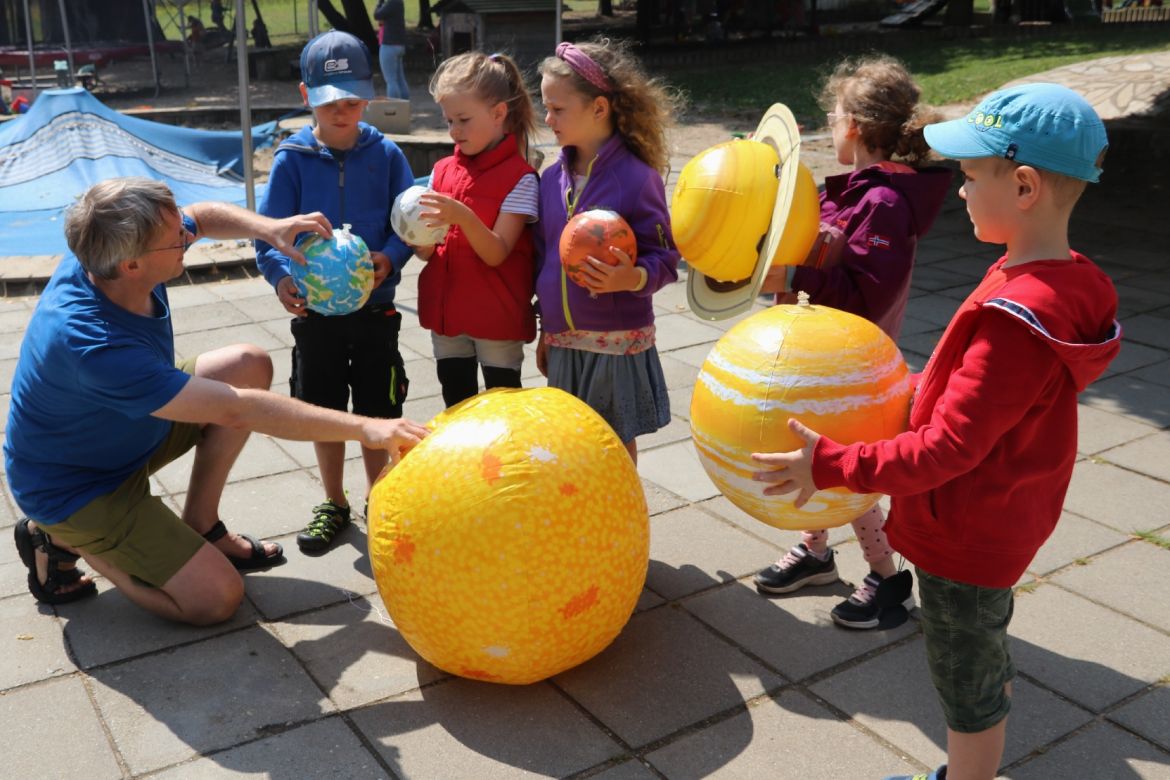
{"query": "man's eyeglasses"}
[(186, 243), (833, 117)]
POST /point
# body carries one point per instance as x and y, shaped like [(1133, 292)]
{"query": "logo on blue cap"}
[(1047, 126), (336, 66)]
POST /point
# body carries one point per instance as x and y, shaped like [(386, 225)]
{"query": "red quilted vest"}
[(460, 294)]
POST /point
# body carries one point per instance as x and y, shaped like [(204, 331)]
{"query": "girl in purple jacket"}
[(597, 340), (871, 220)]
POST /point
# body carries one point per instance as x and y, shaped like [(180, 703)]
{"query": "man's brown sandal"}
[(257, 560), (53, 589)]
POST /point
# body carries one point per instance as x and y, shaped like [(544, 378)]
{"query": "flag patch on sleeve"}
[(879, 241)]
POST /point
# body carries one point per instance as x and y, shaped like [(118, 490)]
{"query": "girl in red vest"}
[(475, 294)]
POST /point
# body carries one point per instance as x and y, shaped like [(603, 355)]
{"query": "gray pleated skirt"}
[(629, 391)]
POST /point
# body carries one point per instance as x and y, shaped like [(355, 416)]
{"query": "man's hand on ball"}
[(790, 471), (397, 437), (282, 233)]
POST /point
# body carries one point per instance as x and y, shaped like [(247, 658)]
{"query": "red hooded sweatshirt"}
[(978, 480)]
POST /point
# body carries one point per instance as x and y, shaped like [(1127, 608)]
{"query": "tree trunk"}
[(647, 18), (424, 15), (605, 7), (960, 13), (355, 20)]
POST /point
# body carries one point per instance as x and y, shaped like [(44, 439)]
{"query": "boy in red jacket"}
[(978, 480)]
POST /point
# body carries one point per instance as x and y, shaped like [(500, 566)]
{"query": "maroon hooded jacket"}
[(871, 221), (978, 480)]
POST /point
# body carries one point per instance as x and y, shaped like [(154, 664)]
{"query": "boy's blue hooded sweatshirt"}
[(357, 189)]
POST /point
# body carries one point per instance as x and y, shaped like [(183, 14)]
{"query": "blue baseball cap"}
[(1043, 125), (336, 66)]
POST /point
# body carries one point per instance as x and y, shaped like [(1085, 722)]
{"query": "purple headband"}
[(584, 66)]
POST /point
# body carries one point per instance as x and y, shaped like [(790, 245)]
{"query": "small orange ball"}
[(591, 234)]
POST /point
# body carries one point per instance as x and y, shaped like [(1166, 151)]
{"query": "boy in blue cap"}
[(336, 355), (978, 480)]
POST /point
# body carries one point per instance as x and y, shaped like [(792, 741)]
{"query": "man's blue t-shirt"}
[(89, 376)]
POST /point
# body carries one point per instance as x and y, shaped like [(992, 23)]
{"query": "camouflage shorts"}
[(965, 627)]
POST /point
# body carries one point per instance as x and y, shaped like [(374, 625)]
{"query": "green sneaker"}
[(328, 519)]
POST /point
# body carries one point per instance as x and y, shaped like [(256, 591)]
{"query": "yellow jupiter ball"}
[(512, 543), (837, 373)]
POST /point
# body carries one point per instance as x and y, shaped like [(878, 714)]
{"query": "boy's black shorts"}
[(350, 352)]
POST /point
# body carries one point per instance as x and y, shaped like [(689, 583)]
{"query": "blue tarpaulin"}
[(69, 141)]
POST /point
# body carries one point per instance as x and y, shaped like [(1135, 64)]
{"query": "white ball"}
[(406, 219)]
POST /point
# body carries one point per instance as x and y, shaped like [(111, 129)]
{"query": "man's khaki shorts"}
[(132, 529)]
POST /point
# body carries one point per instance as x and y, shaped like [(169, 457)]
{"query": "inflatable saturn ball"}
[(512, 543), (837, 373), (738, 209)]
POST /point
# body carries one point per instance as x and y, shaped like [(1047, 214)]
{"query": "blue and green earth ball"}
[(339, 275)]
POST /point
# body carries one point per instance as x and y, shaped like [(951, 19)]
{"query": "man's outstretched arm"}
[(223, 220), (207, 401)]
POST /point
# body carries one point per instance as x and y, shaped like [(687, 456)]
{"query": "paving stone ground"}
[(310, 679)]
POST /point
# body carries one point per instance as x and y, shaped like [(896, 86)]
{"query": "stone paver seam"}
[(87, 684), (698, 505), (799, 687), (629, 750), (874, 736), (1095, 459), (270, 473), (267, 732), (724, 521), (600, 769), (178, 645), (1109, 711), (1047, 747), (1084, 560), (1099, 456), (1097, 719), (347, 595), (802, 685), (1064, 699), (661, 445), (341, 713), (714, 719), (1030, 587)]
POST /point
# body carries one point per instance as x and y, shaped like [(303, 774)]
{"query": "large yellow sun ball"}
[(837, 373), (512, 543)]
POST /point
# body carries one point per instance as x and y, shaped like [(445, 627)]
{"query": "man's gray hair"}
[(116, 220)]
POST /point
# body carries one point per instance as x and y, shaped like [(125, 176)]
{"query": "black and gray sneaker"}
[(328, 519), (796, 569), (878, 603)]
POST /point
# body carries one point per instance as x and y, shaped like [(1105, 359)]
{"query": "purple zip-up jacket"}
[(871, 220), (621, 182)]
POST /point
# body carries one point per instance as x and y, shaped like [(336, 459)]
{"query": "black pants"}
[(356, 353)]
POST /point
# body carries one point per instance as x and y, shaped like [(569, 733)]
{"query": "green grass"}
[(948, 71), (1153, 538)]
